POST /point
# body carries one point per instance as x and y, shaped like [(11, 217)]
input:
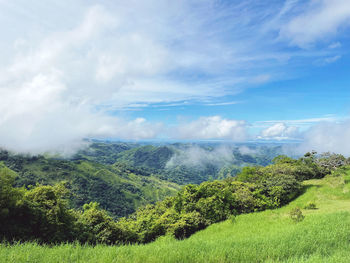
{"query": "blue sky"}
[(179, 70)]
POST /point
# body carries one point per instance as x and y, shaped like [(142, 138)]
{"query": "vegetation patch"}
[(267, 236), (42, 212)]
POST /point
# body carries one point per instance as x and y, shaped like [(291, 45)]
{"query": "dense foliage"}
[(105, 153), (118, 188), (42, 212), (197, 206)]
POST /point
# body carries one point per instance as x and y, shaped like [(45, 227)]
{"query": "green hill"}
[(181, 163), (103, 152), (119, 188), (268, 236), (153, 157)]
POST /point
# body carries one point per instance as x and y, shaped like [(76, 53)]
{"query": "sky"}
[(224, 70)]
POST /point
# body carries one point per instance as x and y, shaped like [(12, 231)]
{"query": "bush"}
[(187, 225), (310, 205), (296, 215)]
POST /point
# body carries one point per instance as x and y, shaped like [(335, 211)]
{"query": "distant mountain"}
[(182, 163), (153, 157), (103, 152)]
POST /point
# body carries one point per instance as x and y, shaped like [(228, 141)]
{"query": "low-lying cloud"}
[(246, 150), (52, 133), (213, 127), (199, 157), (328, 137)]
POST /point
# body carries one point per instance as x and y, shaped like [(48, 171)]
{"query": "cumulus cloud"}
[(321, 20), (65, 68), (328, 136), (279, 131), (54, 133), (60, 79), (213, 127), (46, 105)]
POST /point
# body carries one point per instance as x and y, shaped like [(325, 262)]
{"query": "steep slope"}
[(269, 236), (119, 189), (323, 236)]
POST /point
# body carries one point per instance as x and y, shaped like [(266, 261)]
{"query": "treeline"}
[(42, 213)]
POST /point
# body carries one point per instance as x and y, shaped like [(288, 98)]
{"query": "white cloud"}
[(261, 79), (42, 106), (195, 156), (247, 150), (127, 49), (64, 67), (58, 82), (332, 59), (222, 103), (328, 136), (321, 20), (213, 127), (62, 128), (335, 45), (49, 96), (327, 60), (52, 88), (279, 131), (299, 122)]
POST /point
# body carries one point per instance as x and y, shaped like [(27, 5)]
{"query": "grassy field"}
[(269, 236)]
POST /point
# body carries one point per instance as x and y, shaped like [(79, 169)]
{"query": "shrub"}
[(296, 215), (188, 224), (310, 205)]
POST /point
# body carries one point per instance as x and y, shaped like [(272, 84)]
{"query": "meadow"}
[(268, 236)]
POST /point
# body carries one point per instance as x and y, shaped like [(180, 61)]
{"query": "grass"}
[(269, 236)]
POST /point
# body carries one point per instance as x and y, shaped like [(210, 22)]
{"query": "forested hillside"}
[(118, 188), (124, 176), (321, 235), (43, 213), (182, 163)]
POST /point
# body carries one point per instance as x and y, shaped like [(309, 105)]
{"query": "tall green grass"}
[(269, 236)]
